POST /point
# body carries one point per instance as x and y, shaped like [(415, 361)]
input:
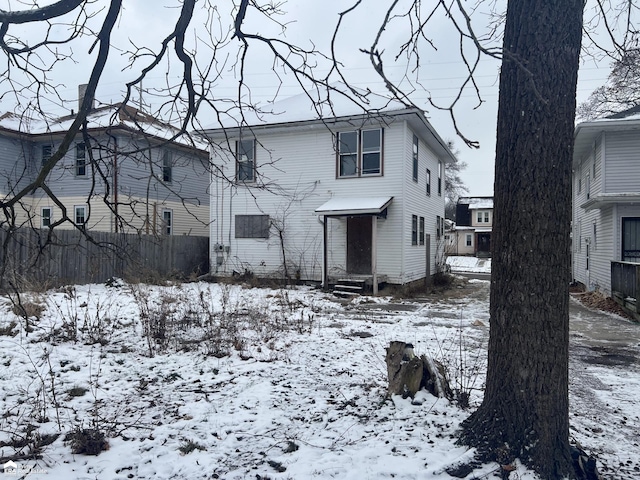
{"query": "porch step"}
[(346, 287)]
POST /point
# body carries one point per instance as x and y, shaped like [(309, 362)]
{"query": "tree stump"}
[(408, 373)]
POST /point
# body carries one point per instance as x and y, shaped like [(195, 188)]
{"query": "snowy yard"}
[(459, 264), (204, 381)]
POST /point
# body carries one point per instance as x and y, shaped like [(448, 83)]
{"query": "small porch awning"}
[(348, 206), (604, 200)]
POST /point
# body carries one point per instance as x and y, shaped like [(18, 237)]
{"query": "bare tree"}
[(620, 93), (453, 183), (524, 413)]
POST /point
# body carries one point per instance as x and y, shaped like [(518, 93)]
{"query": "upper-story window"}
[(587, 185), (47, 151), (415, 158), (167, 167), (360, 153), (246, 160), (428, 182), (483, 216), (81, 160), (439, 178)]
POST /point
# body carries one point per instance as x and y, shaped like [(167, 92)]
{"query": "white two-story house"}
[(471, 234), (314, 196), (606, 199)]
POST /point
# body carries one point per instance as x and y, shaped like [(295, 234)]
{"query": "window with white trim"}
[(167, 166), (81, 160), (46, 215), (439, 178), (167, 222), (47, 151), (428, 182), (80, 215), (469, 240), (421, 231)]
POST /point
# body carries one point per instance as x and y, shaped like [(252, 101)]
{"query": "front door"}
[(359, 245), (484, 243)]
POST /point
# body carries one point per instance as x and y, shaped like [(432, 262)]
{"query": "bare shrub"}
[(87, 441)]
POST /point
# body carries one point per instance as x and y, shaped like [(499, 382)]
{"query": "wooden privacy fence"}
[(63, 257)]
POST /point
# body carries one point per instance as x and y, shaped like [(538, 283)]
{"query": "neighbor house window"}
[(479, 217), (360, 153), (45, 217), (414, 229), (440, 178), (80, 214), (428, 182), (587, 185), (580, 185), (415, 158), (252, 226), (167, 167), (167, 222), (469, 240), (245, 160), (486, 217), (595, 244), (81, 160), (47, 151), (421, 231)]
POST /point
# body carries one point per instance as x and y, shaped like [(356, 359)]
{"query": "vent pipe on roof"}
[(82, 90)]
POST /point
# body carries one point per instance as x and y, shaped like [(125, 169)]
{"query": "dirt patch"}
[(598, 301)]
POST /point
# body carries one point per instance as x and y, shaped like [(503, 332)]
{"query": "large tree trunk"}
[(525, 409)]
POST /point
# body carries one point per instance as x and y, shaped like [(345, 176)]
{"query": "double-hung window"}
[(167, 167), (421, 231), (45, 217), (360, 153), (81, 160), (415, 158), (167, 222), (428, 182), (47, 151), (439, 178), (414, 230), (245, 160), (80, 215)]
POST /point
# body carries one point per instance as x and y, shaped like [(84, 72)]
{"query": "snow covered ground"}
[(202, 381), (469, 264)]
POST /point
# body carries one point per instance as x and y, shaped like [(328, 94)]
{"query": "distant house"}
[(125, 175), (330, 195), (606, 203), (471, 234)]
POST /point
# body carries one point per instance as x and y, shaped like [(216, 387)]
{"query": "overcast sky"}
[(146, 22)]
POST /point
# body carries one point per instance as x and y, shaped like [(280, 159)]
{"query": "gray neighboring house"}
[(126, 167), (606, 204)]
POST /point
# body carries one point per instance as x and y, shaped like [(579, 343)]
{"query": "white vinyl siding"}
[(306, 179)]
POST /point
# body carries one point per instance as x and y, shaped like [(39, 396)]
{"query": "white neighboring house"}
[(471, 234), (346, 195), (606, 200)]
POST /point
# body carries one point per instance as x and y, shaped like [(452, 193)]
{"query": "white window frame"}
[(81, 160), (469, 240), (45, 220), (421, 231), (46, 153), (414, 157), (76, 209), (428, 178), (167, 221)]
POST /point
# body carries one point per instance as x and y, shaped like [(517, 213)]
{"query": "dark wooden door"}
[(359, 245), (484, 242)]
